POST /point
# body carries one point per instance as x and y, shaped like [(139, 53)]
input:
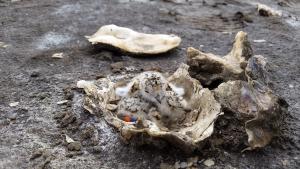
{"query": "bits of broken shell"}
[(68, 93), (97, 149), (74, 146), (68, 119), (191, 162), (88, 132), (65, 118), (35, 74)]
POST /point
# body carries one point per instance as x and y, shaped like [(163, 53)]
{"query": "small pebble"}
[(183, 165), (285, 162), (163, 11), (165, 166), (72, 154), (209, 162), (74, 146), (59, 115), (43, 95), (47, 153), (68, 119), (177, 165), (35, 74), (100, 76), (105, 55), (37, 153), (192, 161), (12, 116), (97, 149), (69, 94), (87, 132)]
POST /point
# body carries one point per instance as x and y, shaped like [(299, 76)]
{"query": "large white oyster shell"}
[(176, 109), (134, 42)]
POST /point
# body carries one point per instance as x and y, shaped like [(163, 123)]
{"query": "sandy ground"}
[(31, 31)]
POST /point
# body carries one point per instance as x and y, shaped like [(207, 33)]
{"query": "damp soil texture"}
[(32, 131)]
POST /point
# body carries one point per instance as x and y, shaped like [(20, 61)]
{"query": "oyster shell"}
[(207, 67), (134, 42), (245, 91), (254, 103), (265, 10), (176, 108)]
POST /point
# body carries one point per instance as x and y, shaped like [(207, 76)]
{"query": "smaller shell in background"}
[(134, 42), (265, 10)]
